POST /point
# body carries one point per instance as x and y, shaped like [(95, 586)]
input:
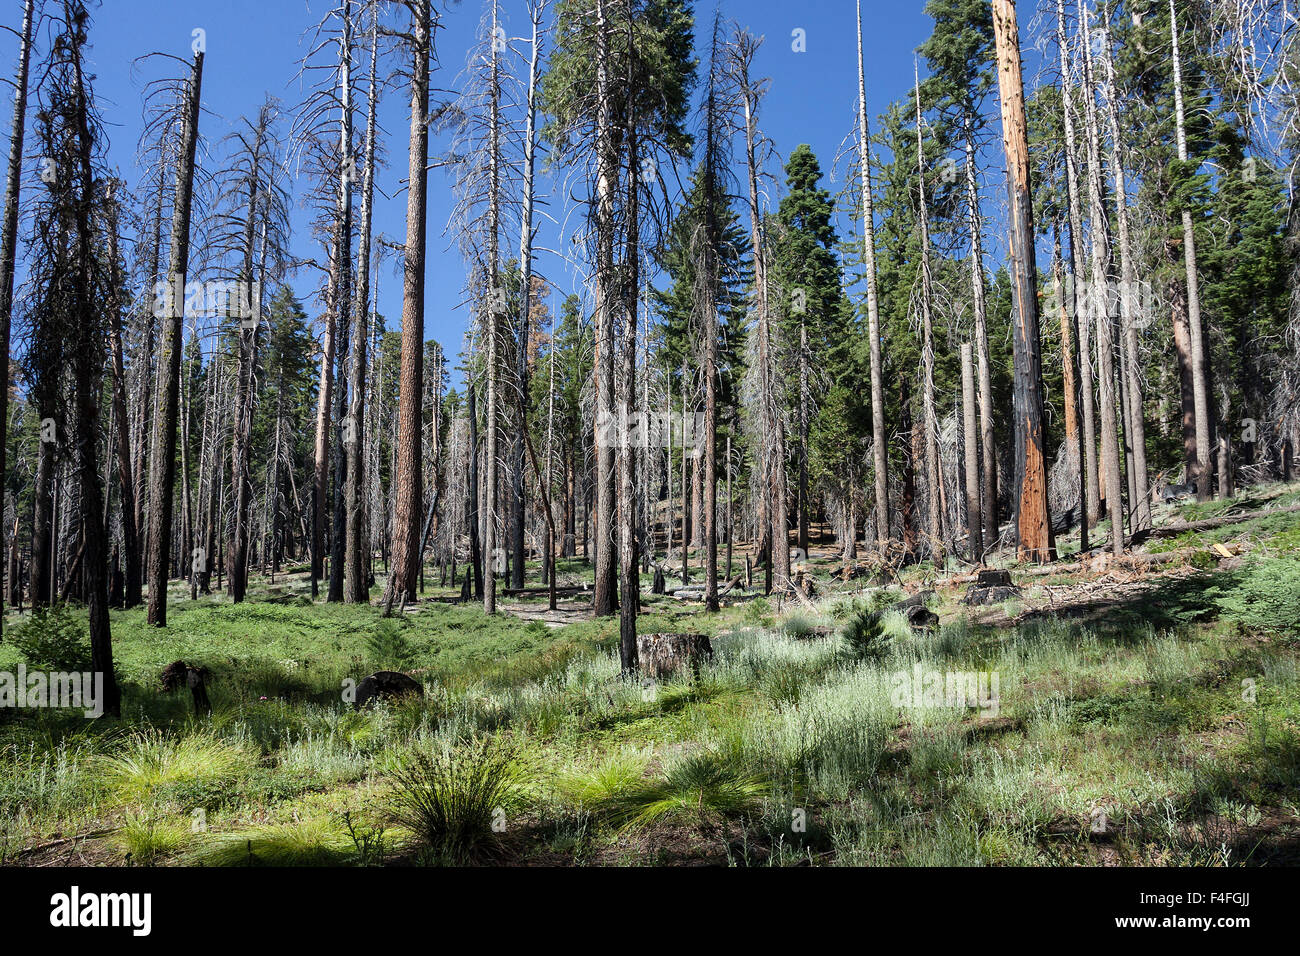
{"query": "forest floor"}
[(1143, 713)]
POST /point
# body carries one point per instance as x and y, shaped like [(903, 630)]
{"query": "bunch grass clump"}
[(699, 788), (152, 762), (316, 841), (450, 796)]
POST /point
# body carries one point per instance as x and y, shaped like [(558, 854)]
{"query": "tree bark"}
[(356, 576), (162, 470), (9, 239), (1110, 482), (1140, 505), (1033, 517), (879, 449), (974, 526), (1090, 501), (927, 356), (1204, 478), (405, 571)]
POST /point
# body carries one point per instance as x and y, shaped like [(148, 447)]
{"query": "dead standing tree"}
[(880, 453), (326, 116), (930, 425), (162, 467), (1099, 303), (1089, 502), (9, 227), (485, 182), (252, 228), (356, 578), (71, 283), (773, 542)]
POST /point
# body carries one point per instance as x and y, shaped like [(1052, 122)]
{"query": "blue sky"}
[(253, 47)]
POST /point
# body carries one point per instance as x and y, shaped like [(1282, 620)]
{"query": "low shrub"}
[(53, 639)]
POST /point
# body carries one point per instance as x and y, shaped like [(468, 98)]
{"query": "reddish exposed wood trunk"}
[(1034, 521)]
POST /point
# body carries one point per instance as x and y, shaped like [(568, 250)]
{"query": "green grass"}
[(1176, 711)]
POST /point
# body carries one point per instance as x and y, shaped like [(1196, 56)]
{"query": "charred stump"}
[(386, 685), (178, 674), (662, 655)]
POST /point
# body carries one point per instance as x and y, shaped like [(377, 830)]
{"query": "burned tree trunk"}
[(9, 231), (162, 470)]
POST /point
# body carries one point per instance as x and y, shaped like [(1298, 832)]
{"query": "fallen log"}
[(542, 592), (1209, 524)]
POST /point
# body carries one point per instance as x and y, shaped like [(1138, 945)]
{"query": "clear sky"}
[(253, 47)]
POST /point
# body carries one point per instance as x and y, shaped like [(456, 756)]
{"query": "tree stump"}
[(385, 685), (993, 579), (916, 600), (178, 674), (659, 586), (662, 655), (921, 618), (983, 597)]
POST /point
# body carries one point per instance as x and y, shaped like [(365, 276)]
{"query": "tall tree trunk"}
[(162, 470), (495, 318), (603, 600), (249, 330), (86, 365), (321, 454), (629, 576), (131, 591), (932, 476), (772, 536), (356, 578), (1090, 501), (879, 449), (1033, 517), (801, 414), (1135, 427), (342, 307), (405, 571), (1110, 481), (974, 528), (1199, 362), (526, 297), (988, 453), (9, 240)]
